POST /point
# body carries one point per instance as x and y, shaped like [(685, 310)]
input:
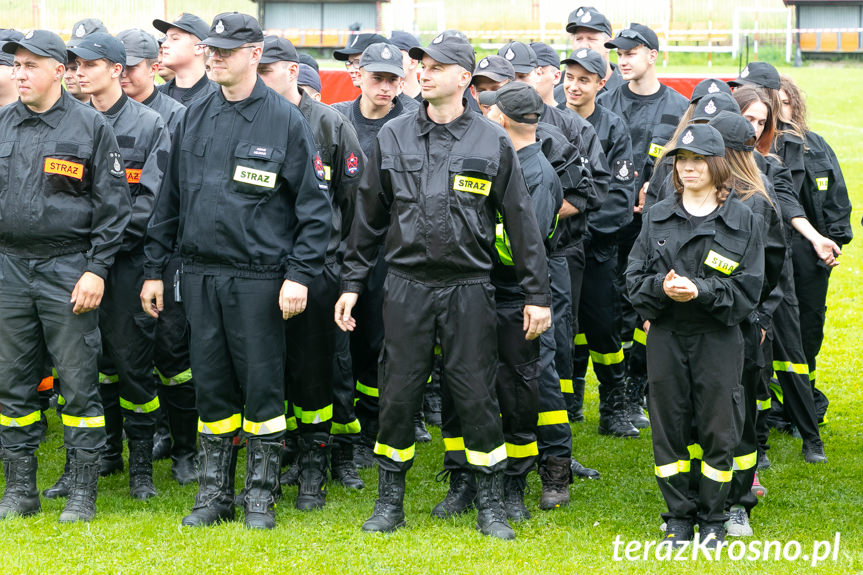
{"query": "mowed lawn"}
[(805, 502)]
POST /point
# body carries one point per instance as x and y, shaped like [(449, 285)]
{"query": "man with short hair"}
[(404, 41), (246, 200), (429, 197), (309, 81), (183, 53), (8, 87), (352, 51), (590, 29), (164, 72), (65, 205), (321, 395), (80, 30)]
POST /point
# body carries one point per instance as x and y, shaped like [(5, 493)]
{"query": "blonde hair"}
[(745, 175)]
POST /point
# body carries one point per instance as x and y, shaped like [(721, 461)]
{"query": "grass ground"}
[(804, 503)]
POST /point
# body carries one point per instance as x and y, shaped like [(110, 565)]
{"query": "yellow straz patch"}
[(133, 176), (655, 150), (822, 183), (255, 177), (327, 173), (64, 168), (472, 185), (720, 263)]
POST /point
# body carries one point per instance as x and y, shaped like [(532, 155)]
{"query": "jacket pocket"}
[(5, 162), (725, 253), (65, 168), (405, 175), (192, 153), (470, 180), (256, 169)]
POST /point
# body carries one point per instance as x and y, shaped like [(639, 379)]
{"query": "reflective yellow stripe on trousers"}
[(398, 455), (607, 358), (366, 390), (744, 462), (73, 421), (227, 425), (552, 417), (566, 386), (453, 443), (798, 368), (344, 428), (481, 459), (521, 451), (148, 407), (274, 425), (314, 416), (715, 474), (178, 379), (669, 469), (28, 419)]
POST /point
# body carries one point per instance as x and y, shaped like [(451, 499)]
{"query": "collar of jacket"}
[(529, 151), (51, 117), (118, 105), (246, 108), (672, 206), (458, 127)]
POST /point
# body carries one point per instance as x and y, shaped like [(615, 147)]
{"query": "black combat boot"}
[(21, 498), (634, 394), (579, 470), (111, 460), (389, 513), (613, 416), (513, 497), (342, 467), (263, 459), (184, 429), (162, 436), (81, 504), (290, 457), (555, 474), (141, 469), (491, 515), (61, 488), (421, 434), (214, 501), (314, 457), (461, 494)]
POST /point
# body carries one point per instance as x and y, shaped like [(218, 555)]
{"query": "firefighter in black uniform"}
[(695, 273), (318, 386), (65, 204), (248, 206), (353, 50), (8, 90), (183, 54), (434, 182)]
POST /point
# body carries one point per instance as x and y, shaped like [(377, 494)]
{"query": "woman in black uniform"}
[(695, 273)]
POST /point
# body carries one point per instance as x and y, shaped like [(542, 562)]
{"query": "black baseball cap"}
[(590, 60), (97, 46), (357, 44), (232, 30), (545, 54), (494, 67), (699, 139), (308, 60), (517, 100), (759, 73), (8, 35), (708, 106), (635, 35), (189, 23), (708, 86), (521, 56), (588, 17), (308, 76), (448, 47), (404, 40), (40, 42), (735, 130), (382, 57), (140, 46), (278, 49), (83, 28)]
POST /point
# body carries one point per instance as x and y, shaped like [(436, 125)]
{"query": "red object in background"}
[(336, 85)]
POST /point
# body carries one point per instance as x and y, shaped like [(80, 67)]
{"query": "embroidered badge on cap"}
[(438, 39), (80, 31), (579, 12), (319, 167), (354, 42), (713, 88), (720, 263), (581, 54), (710, 108), (745, 72), (220, 28), (386, 54), (509, 54), (28, 35), (115, 166), (687, 137), (352, 165), (483, 63), (255, 177), (472, 185), (586, 18)]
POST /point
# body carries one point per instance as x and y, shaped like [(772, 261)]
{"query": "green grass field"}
[(804, 503)]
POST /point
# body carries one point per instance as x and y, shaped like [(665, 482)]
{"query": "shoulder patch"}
[(623, 170), (319, 167), (352, 165), (115, 165)]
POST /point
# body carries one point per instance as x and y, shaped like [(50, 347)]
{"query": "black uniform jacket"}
[(824, 195), (723, 256), (244, 193), (432, 193), (62, 184)]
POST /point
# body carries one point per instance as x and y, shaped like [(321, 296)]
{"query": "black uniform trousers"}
[(517, 389), (237, 352), (463, 317), (309, 356), (575, 262), (561, 316), (35, 315), (346, 427), (811, 278), (696, 406), (128, 343), (599, 318), (553, 434)]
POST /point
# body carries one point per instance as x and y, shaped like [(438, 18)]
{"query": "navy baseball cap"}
[(545, 54), (708, 86), (308, 76), (277, 49), (188, 23), (494, 67), (759, 73), (308, 60), (83, 28), (40, 42), (140, 46), (590, 60), (357, 44), (736, 131), (448, 47), (517, 100), (8, 35), (699, 139), (382, 57), (97, 46), (708, 106), (232, 29), (521, 56), (635, 35), (404, 40), (588, 17)]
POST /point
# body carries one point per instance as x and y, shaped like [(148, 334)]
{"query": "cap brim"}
[(11, 47), (694, 150), (488, 98), (520, 69), (274, 59), (740, 82), (226, 43), (573, 26), (163, 27), (83, 53), (343, 54), (386, 68), (490, 75), (622, 43), (134, 60), (571, 62), (433, 53)]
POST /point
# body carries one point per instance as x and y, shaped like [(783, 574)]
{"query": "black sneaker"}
[(617, 424), (711, 533), (813, 452), (677, 531)]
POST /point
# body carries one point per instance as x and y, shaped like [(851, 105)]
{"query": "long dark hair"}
[(748, 95), (720, 173)]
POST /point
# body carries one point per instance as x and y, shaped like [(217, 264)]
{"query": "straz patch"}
[(655, 150), (133, 176), (255, 177), (472, 185), (720, 263), (64, 168), (822, 183), (352, 165), (327, 172)]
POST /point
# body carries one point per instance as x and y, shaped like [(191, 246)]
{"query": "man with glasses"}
[(182, 53), (352, 51), (245, 197)]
